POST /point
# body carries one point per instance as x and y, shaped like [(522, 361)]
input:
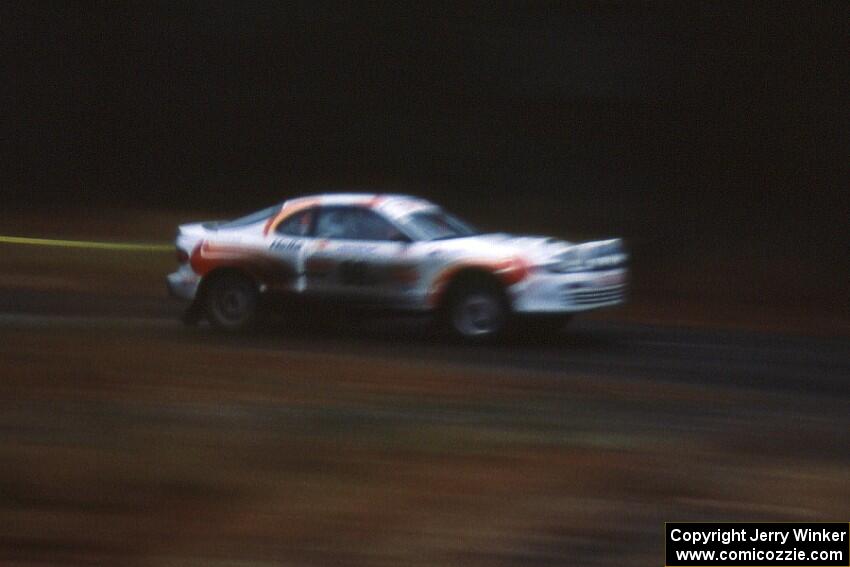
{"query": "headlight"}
[(605, 262), (568, 267), (570, 261), (583, 258)]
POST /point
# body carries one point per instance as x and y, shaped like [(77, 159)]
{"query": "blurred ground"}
[(129, 440)]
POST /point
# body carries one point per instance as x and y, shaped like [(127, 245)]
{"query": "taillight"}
[(182, 256)]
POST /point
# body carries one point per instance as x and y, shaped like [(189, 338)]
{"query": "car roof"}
[(392, 204)]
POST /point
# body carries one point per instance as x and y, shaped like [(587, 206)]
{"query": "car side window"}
[(298, 224), (355, 223)]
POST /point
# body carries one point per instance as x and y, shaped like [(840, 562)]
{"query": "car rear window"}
[(253, 218)]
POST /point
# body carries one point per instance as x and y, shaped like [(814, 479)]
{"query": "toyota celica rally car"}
[(392, 252)]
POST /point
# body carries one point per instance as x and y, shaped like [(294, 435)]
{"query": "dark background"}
[(712, 136)]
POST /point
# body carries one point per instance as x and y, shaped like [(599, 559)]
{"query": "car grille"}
[(596, 295)]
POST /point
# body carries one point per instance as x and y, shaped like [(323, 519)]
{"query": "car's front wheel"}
[(476, 311), (231, 302)]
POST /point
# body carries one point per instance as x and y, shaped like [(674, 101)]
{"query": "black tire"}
[(230, 302), (476, 310)]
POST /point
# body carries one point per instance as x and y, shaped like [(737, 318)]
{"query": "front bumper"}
[(545, 292)]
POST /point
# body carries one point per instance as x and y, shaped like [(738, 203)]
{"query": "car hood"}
[(534, 249)]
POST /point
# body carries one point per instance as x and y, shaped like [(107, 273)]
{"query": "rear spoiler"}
[(198, 228)]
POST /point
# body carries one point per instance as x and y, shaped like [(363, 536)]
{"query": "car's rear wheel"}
[(231, 302), (476, 311)]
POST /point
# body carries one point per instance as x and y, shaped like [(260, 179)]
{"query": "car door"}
[(358, 255), (287, 243)]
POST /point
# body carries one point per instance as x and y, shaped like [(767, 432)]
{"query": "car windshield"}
[(436, 224)]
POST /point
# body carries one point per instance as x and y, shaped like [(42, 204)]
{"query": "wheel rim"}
[(232, 303), (478, 314)]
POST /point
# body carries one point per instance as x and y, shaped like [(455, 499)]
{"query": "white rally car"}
[(389, 251)]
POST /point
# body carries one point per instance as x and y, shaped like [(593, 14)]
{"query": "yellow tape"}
[(85, 244)]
